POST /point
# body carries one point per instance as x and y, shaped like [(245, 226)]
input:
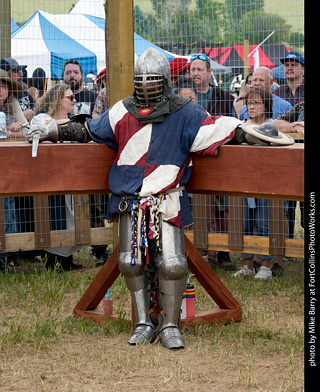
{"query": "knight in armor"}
[(154, 133)]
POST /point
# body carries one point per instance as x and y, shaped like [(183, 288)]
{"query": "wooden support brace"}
[(230, 310)]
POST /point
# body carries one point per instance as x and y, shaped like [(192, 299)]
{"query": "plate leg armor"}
[(136, 284), (172, 267), (145, 330), (171, 292)]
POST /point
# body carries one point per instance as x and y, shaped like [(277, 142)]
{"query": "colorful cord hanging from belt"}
[(139, 211), (134, 231)]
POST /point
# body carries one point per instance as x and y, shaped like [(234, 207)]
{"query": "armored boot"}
[(171, 292), (145, 330)]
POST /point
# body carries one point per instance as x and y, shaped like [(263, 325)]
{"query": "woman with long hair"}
[(57, 103)]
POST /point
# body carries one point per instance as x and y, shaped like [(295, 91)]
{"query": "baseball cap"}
[(10, 64), (296, 56), (178, 64)]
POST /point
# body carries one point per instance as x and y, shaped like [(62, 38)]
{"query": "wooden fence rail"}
[(239, 171)]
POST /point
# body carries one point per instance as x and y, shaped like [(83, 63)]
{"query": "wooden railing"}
[(276, 173)]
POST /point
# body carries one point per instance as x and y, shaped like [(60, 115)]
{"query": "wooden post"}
[(245, 58), (235, 235), (41, 221), (119, 57), (119, 49)]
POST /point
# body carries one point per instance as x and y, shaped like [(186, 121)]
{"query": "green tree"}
[(236, 9), (141, 22), (209, 21), (257, 25), (296, 39)]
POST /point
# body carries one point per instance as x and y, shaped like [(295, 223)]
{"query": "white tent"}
[(47, 40), (89, 7), (39, 43), (89, 31), (82, 30)]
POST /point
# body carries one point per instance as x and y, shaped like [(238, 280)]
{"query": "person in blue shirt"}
[(263, 78)]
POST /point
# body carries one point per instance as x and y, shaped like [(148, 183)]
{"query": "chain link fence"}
[(53, 61)]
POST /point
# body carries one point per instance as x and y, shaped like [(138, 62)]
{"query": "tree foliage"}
[(209, 21)]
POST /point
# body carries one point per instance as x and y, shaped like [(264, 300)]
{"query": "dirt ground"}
[(257, 354), (109, 364)]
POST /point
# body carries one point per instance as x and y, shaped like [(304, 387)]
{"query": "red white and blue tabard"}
[(153, 158)]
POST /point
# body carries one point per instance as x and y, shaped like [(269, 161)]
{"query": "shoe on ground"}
[(244, 271), (277, 270), (212, 263), (264, 273), (256, 265), (224, 261)]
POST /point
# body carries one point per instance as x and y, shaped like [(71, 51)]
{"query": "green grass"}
[(42, 340), (37, 304)]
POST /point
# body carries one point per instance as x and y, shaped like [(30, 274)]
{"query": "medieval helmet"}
[(152, 77)]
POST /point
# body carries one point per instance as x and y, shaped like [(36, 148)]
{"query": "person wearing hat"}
[(15, 120), (15, 124), (180, 67), (100, 105), (101, 78), (293, 90), (14, 70)]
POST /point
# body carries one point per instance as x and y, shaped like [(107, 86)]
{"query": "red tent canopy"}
[(233, 56)]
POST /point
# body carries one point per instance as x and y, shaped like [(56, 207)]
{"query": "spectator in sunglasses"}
[(55, 106), (57, 102), (212, 98), (218, 103)]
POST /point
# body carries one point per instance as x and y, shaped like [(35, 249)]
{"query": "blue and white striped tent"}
[(47, 40), (14, 26), (39, 43)]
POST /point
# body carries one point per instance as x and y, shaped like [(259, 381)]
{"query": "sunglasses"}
[(200, 57), (71, 97)]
